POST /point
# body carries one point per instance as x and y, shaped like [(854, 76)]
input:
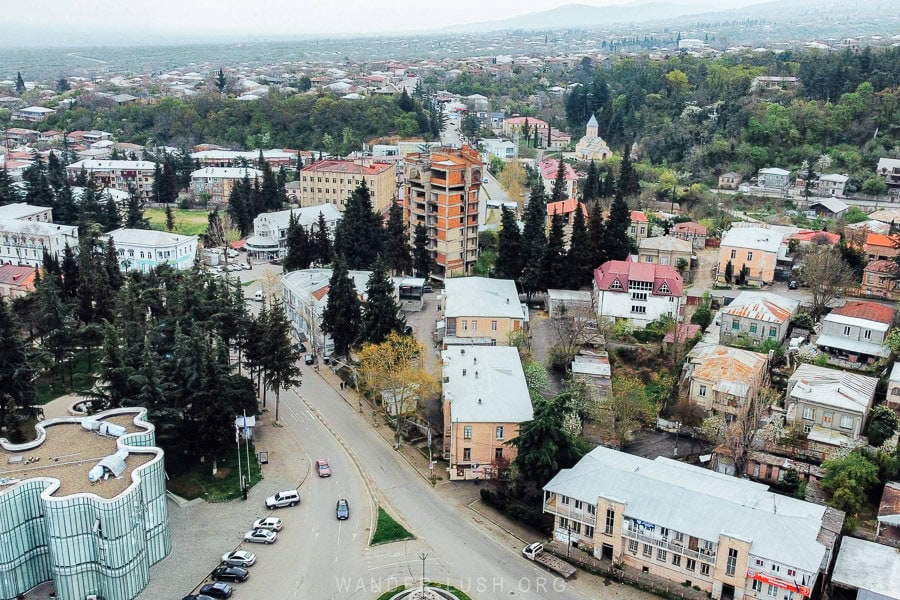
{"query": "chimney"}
[(479, 401), (464, 373), (462, 350), (476, 374), (475, 360)]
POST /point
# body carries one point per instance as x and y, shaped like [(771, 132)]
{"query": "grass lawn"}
[(199, 482), (53, 383), (188, 221), (389, 530), (459, 593), (248, 283)]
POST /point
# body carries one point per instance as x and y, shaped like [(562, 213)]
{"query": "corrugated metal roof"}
[(762, 306), (840, 389)]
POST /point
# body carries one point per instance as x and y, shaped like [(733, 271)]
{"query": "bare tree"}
[(737, 436), (827, 274), (574, 327), (628, 407)]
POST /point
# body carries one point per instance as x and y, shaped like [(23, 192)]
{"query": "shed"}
[(245, 425)]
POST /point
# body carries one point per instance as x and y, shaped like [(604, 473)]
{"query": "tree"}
[(65, 211), (300, 251), (597, 253), (406, 103), (591, 190), (827, 275), (883, 422), (544, 446), (341, 318), (220, 80), (381, 314), (849, 480), (554, 261), (20, 83), (617, 242), (392, 371), (110, 218), (396, 247), (574, 328), (534, 241), (809, 176), (559, 184), (423, 264), (875, 186), (513, 178), (8, 193), (359, 236), (215, 230), (579, 261), (729, 272), (170, 218), (37, 184), (17, 372), (737, 436), (321, 242), (111, 266), (281, 370), (743, 274), (509, 247), (629, 185), (627, 407)]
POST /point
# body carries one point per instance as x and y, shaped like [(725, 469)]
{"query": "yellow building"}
[(485, 398), (333, 181), (758, 247), (481, 310)]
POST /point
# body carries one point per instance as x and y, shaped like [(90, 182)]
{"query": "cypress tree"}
[(534, 241), (111, 218), (509, 247), (729, 272), (618, 244), (554, 263), (170, 218), (396, 248), (71, 275), (299, 249), (272, 197), (220, 80), (597, 237), (111, 266), (381, 313), (341, 317), (65, 211), (559, 184), (628, 179), (591, 189), (359, 235), (422, 261), (134, 212), (56, 172), (578, 259), (37, 186), (8, 192), (17, 372), (20, 83), (322, 250)]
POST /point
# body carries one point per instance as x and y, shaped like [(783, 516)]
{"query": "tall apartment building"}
[(333, 181), (442, 193), (117, 174), (26, 231)]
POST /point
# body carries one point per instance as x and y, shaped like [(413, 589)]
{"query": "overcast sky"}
[(279, 17)]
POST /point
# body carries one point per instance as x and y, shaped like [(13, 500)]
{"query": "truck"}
[(535, 552)]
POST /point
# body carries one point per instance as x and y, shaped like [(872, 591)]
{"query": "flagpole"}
[(237, 439), (247, 440)]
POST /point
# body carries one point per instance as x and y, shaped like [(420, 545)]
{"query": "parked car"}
[(282, 499), (322, 468), (239, 558), (217, 590), (794, 284), (300, 347), (260, 536), (258, 296), (326, 357), (197, 597), (270, 523), (342, 511), (230, 574), (310, 359), (246, 266), (427, 289)]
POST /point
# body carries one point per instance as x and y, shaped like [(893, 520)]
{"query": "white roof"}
[(227, 173), (774, 171), (577, 295), (20, 210), (482, 297), (148, 237), (834, 177), (235, 155), (857, 346), (856, 322), (754, 238), (840, 389), (597, 366), (37, 109), (107, 165), (36, 228), (493, 388), (310, 281), (699, 502), (865, 565), (895, 373), (305, 216), (888, 164), (762, 306), (832, 204), (666, 243)]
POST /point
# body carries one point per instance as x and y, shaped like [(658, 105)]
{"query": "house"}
[(504, 149), (94, 525), (695, 233), (888, 525), (892, 396), (591, 146), (832, 184), (666, 250), (773, 178), (275, 158), (806, 237), (881, 247), (214, 184), (769, 82), (514, 127), (559, 140), (691, 44), (881, 279), (831, 405), (757, 247), (485, 399), (728, 537), (729, 181), (16, 281), (569, 302), (865, 570), (640, 226), (594, 369), (23, 242), (549, 168), (145, 249), (32, 114), (889, 168), (722, 379), (856, 331), (334, 181), (566, 209), (757, 316), (484, 308), (26, 212), (827, 208), (20, 135), (638, 292), (119, 175), (269, 239)]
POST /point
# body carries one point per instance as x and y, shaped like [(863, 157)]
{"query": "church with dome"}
[(591, 146)]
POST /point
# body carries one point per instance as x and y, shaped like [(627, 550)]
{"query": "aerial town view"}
[(473, 301)]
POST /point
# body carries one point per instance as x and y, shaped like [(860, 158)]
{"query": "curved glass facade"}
[(87, 545)]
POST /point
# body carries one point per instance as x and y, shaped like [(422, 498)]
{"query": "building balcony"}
[(707, 556), (570, 512)]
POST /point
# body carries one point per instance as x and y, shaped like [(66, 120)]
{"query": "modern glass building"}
[(83, 506)]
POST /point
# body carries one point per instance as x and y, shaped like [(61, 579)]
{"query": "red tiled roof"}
[(550, 167), (320, 293), (882, 266), (876, 239), (625, 271), (521, 121), (815, 236), (565, 207), (638, 216), (870, 311), (695, 228), (16, 275), (685, 332), (345, 166)]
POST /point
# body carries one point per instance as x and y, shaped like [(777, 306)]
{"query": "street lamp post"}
[(569, 545), (677, 431), (422, 557)]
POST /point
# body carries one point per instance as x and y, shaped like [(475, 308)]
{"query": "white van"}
[(258, 296), (282, 499)]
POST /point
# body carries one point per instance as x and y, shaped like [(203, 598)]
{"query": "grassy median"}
[(388, 530)]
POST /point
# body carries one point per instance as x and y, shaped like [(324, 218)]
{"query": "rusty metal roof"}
[(762, 306)]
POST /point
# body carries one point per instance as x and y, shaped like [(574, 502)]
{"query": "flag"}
[(237, 434), (246, 437)]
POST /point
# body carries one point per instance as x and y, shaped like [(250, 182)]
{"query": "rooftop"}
[(565, 207), (665, 279), (16, 275), (36, 228), (889, 508), (754, 238), (762, 306), (346, 166), (863, 565), (839, 389), (691, 227), (20, 210), (482, 297), (148, 237), (66, 451), (595, 366), (109, 165), (550, 167), (666, 243), (485, 384), (870, 311), (731, 369), (227, 173), (306, 217)]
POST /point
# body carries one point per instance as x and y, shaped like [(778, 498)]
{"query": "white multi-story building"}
[(145, 249), (118, 174), (270, 229), (215, 183), (27, 231), (639, 292)]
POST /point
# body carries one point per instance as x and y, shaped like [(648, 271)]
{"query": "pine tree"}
[(534, 241), (56, 172), (526, 131), (240, 205), (37, 186), (169, 187), (423, 264), (406, 103), (71, 275), (359, 235), (110, 218), (597, 254), (618, 244), (578, 259), (184, 166), (65, 211), (729, 272), (299, 248), (111, 266), (8, 192), (281, 367), (89, 207), (341, 317), (156, 190), (537, 139), (17, 373), (509, 247), (134, 211), (20, 83), (609, 185), (554, 263), (220, 80), (396, 247), (628, 179), (272, 196), (559, 184), (321, 241), (381, 313), (591, 191)]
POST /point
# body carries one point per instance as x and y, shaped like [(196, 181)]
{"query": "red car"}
[(322, 468)]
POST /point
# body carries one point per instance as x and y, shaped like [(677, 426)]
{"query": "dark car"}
[(300, 347), (794, 284), (230, 574), (309, 359), (342, 511), (197, 597), (217, 590), (427, 289)]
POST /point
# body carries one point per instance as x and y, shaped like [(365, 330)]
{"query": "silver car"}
[(260, 536), (239, 558)]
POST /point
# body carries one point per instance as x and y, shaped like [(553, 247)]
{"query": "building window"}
[(749, 256), (734, 254), (660, 555), (773, 332), (648, 550), (731, 565), (690, 564), (499, 432), (808, 412), (807, 428), (827, 418), (610, 521), (563, 523), (679, 537), (467, 432), (465, 324), (867, 334), (564, 499), (676, 560), (702, 391), (772, 591), (735, 325), (846, 422), (615, 285), (704, 569), (592, 510), (467, 454), (846, 330), (588, 531), (639, 296), (640, 310), (775, 568), (792, 573), (576, 527), (632, 546), (756, 586), (474, 325), (578, 504), (493, 325), (752, 327)]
